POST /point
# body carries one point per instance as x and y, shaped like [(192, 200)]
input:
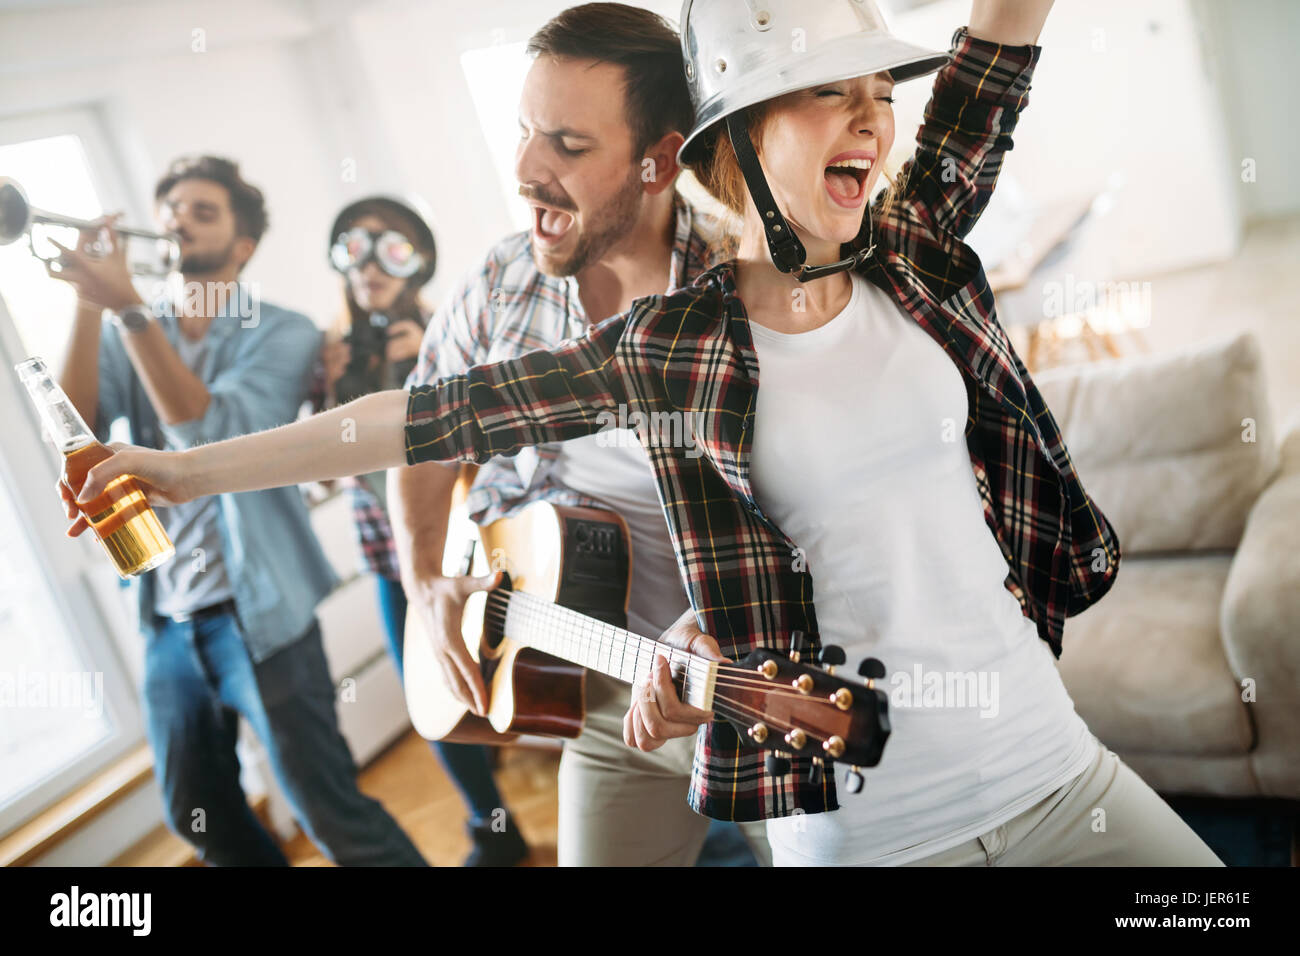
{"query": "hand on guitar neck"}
[(560, 610), (657, 713)]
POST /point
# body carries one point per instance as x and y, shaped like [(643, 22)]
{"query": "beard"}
[(205, 263), (609, 224)]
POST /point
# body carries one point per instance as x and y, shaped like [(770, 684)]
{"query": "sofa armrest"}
[(1260, 621)]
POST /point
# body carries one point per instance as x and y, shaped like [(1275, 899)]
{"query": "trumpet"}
[(19, 218)]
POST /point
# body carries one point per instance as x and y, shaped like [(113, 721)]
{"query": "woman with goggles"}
[(385, 252)]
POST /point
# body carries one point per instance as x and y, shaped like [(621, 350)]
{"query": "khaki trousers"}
[(622, 807), (1106, 817)]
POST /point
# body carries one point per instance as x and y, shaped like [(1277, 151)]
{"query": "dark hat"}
[(404, 210)]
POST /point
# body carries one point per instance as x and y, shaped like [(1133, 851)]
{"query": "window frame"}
[(89, 604)]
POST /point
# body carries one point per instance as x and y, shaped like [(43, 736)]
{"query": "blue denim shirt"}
[(256, 370)]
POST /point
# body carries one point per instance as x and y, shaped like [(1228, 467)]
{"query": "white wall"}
[(1252, 46), (294, 89), (245, 97), (1120, 89)]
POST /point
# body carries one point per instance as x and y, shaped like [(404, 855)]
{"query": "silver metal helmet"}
[(742, 52)]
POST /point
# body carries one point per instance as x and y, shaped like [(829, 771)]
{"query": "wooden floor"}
[(410, 782)]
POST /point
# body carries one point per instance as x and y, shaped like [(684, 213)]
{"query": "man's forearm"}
[(176, 393), (79, 378), (419, 505), (368, 434)]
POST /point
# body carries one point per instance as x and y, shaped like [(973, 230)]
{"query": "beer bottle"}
[(120, 517)]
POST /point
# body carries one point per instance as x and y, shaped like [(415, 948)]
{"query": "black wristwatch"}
[(134, 318)]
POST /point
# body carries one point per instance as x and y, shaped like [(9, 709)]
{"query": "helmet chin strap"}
[(788, 253)]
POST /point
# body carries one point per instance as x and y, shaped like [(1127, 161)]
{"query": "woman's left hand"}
[(404, 337), (656, 714)]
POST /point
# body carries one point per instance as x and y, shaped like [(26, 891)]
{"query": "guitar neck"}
[(598, 646)]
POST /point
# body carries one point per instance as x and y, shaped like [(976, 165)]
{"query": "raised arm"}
[(176, 393), (969, 120), (1010, 22), (264, 388)]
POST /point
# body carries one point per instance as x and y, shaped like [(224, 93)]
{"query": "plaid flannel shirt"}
[(506, 308), (691, 352), (374, 533)]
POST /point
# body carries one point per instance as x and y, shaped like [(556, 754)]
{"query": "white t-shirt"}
[(860, 457), (611, 467), (196, 578)]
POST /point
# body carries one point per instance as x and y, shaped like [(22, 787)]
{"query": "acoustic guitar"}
[(562, 609)]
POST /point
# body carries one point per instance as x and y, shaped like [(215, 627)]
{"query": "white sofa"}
[(1189, 668)]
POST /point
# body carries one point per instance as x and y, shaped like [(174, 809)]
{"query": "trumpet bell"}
[(15, 212)]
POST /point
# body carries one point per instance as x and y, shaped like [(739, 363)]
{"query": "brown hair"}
[(246, 202), (648, 49), (718, 171)]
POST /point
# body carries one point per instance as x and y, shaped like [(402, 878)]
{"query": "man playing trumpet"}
[(229, 624)]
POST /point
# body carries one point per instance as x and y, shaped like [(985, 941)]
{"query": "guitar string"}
[(559, 625), (552, 616), (587, 641), (554, 620), (728, 707), (754, 715), (589, 647), (731, 675), (742, 718)]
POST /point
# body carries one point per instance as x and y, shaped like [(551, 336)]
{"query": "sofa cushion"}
[(1146, 668), (1159, 441)]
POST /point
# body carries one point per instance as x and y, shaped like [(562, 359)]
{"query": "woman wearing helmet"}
[(385, 252), (898, 464)]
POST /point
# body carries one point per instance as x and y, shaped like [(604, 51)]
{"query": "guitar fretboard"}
[(593, 644)]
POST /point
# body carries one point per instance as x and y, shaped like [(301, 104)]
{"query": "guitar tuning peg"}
[(871, 667), (798, 644), (830, 657), (777, 766), (854, 780), (815, 771)]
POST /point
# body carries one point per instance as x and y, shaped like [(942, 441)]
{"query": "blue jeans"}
[(466, 764), (199, 679)]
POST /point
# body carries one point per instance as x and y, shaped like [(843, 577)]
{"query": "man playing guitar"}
[(602, 115)]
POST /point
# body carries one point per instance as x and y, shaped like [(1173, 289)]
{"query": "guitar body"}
[(577, 558)]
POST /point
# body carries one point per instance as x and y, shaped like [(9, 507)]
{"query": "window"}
[(496, 76), (66, 704), (51, 701), (53, 172)]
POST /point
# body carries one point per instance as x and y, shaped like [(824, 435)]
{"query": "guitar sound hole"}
[(494, 620)]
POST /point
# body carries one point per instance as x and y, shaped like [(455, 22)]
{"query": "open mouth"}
[(550, 225), (846, 180)]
